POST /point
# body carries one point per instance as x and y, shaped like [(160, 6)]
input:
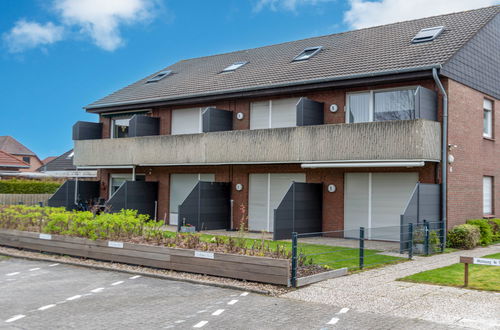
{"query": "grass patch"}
[(481, 277), (331, 256)]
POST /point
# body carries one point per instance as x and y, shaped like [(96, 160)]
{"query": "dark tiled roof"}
[(375, 49), (61, 163), (14, 147), (7, 160)]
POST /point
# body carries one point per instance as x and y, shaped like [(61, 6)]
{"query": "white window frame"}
[(270, 118), (488, 108), (491, 192), (200, 118), (372, 99)]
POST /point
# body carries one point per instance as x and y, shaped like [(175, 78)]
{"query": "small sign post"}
[(476, 261)]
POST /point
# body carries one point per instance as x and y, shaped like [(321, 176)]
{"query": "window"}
[(159, 76), (187, 121), (116, 180), (274, 113), (381, 106), (27, 160), (487, 118), (119, 127), (487, 195), (234, 66), (307, 53), (427, 34)]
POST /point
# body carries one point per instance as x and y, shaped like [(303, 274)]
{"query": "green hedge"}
[(484, 229), (464, 237), (15, 186)]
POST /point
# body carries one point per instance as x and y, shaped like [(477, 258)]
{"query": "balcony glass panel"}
[(394, 105)]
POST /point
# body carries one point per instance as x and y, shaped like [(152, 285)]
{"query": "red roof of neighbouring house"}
[(48, 159), (7, 160), (10, 145)]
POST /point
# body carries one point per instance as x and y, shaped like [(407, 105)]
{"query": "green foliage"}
[(464, 236), (484, 229), (15, 186), (495, 228)]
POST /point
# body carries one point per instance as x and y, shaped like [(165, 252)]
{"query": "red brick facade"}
[(474, 156)]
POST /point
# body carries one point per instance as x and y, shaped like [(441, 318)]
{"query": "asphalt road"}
[(42, 295)]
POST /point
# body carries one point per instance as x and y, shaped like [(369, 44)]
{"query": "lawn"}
[(480, 277), (331, 256)]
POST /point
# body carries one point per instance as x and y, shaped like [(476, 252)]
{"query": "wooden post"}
[(466, 274)]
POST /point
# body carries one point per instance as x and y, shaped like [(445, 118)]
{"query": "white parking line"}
[(117, 283), (200, 324), (218, 312), (73, 298), (53, 265), (333, 320), (232, 302), (12, 274), (202, 311), (179, 321), (244, 294), (343, 310), (97, 290), (33, 269), (15, 318), (46, 307), (134, 277)]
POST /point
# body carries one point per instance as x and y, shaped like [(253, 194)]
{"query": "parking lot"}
[(43, 295)]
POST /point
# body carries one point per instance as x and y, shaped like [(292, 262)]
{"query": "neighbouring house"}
[(48, 159), (10, 164), (13, 147), (62, 167), (375, 127)]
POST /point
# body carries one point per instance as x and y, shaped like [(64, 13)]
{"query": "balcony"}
[(391, 140)]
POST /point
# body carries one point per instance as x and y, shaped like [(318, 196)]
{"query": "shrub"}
[(464, 237), (15, 186), (495, 227), (484, 229)]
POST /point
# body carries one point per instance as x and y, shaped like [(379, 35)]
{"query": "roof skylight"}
[(159, 76), (307, 53), (427, 34), (234, 66)]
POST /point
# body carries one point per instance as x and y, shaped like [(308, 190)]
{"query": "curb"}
[(146, 274)]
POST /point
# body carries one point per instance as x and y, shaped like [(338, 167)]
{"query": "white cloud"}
[(290, 5), (365, 13), (101, 20), (26, 35)]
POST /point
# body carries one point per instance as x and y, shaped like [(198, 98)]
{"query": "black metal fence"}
[(362, 248)]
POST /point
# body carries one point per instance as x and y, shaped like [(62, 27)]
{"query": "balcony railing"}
[(391, 140)]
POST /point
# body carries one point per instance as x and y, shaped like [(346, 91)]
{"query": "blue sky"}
[(57, 56)]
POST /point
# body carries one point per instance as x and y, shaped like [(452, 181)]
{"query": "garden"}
[(128, 226)]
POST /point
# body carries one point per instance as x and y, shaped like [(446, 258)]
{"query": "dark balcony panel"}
[(207, 207), (87, 191), (309, 112), (85, 130), (216, 120), (135, 195), (300, 211), (141, 125), (425, 104)]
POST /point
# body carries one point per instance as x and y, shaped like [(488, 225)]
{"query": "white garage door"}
[(180, 187), (265, 194), (374, 200)]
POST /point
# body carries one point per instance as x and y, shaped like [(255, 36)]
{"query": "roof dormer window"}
[(307, 53), (427, 34), (234, 66), (159, 76)]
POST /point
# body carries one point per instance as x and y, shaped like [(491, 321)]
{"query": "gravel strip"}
[(255, 287)]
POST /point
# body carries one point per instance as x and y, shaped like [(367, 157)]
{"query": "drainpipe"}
[(444, 151)]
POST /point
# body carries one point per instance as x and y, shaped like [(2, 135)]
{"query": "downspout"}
[(444, 152)]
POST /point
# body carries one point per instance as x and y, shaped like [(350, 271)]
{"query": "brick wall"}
[(474, 155)]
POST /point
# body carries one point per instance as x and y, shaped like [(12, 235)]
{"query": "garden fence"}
[(361, 248), (26, 199)]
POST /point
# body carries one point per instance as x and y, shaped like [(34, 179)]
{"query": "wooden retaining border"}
[(258, 269), (306, 280)]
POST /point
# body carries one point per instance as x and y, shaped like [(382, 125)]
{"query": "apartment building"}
[(373, 127)]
